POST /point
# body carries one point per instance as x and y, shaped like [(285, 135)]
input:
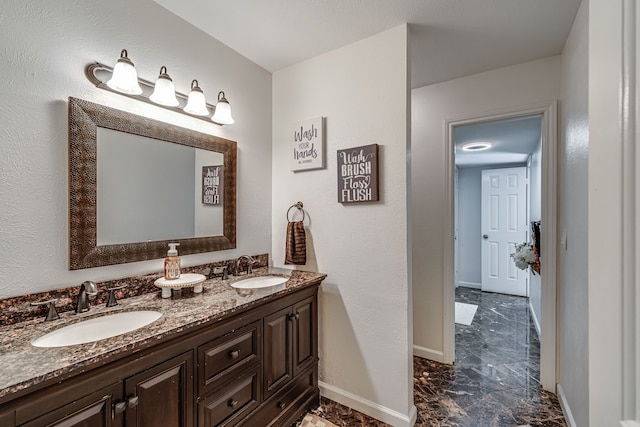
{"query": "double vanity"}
[(244, 355)]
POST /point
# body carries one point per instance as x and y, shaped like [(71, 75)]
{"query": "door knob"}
[(485, 236)]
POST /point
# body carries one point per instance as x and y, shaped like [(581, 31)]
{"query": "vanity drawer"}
[(232, 402), (223, 358), (281, 406)]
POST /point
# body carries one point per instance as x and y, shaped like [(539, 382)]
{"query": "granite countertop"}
[(23, 365)]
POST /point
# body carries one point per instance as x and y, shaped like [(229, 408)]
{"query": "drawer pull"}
[(281, 405), (132, 402), (234, 354), (232, 403), (119, 407)]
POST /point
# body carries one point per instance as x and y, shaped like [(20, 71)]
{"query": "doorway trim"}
[(548, 249)]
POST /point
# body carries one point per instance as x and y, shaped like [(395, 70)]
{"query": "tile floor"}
[(494, 382)]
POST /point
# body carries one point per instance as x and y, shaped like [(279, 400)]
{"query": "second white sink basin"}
[(260, 282), (97, 328)]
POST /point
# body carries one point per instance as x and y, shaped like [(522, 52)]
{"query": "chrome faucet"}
[(88, 292), (250, 262)]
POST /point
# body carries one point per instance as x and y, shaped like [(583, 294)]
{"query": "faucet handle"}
[(111, 300), (52, 314), (223, 270)]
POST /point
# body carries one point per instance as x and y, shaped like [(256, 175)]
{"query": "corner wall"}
[(45, 48), (512, 87), (365, 302), (573, 267)]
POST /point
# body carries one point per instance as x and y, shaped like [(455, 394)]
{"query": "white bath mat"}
[(465, 313)]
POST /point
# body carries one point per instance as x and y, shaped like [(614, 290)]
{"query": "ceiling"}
[(513, 140), (449, 38)]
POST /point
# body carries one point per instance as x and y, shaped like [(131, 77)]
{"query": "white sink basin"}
[(97, 328), (260, 282)]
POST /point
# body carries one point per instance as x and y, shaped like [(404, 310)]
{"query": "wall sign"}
[(358, 174), (308, 145), (212, 185)]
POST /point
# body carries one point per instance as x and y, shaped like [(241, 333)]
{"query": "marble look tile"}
[(343, 416), (495, 381)]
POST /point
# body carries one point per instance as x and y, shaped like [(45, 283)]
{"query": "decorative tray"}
[(188, 280)]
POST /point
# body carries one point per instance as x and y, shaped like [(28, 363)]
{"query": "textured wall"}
[(365, 309), (573, 180), (469, 226), (505, 88), (45, 47), (535, 197)]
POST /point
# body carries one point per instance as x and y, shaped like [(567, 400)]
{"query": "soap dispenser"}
[(172, 263)]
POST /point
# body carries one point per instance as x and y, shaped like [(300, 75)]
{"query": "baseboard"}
[(566, 410), (536, 322), (368, 407), (470, 284), (427, 353)]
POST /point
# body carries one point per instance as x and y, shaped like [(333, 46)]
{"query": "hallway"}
[(496, 378), (494, 383)]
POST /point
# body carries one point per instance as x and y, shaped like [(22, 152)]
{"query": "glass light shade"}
[(223, 111), (124, 77), (164, 92), (196, 103)]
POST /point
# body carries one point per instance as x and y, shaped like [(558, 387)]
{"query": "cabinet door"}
[(277, 367), (94, 410), (305, 345), (162, 395)]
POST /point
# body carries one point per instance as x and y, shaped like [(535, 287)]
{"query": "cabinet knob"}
[(119, 407), (234, 354), (294, 316), (281, 405), (232, 403), (132, 402)]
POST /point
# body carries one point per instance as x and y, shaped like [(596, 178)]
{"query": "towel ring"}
[(299, 206)]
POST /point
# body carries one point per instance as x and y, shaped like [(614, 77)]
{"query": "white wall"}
[(505, 88), (535, 214), (573, 308), (470, 226), (365, 302), (605, 208), (45, 48)]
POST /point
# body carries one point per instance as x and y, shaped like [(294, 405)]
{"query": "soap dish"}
[(188, 280)]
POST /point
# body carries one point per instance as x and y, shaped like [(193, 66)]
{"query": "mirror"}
[(119, 215)]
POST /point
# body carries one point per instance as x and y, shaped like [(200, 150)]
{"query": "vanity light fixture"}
[(123, 79), (476, 146), (196, 103), (223, 111), (164, 91)]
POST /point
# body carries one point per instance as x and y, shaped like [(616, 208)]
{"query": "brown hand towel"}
[(296, 251)]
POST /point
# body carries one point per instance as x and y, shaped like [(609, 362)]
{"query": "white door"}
[(504, 225)]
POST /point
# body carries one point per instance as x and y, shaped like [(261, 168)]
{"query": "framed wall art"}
[(307, 145), (358, 174)]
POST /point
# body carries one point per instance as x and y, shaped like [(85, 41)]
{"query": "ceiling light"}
[(164, 92), (124, 78), (223, 111), (476, 146), (196, 104)]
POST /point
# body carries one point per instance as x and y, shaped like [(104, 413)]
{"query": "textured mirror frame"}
[(84, 119)]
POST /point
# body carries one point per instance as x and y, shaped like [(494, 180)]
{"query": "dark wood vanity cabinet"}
[(256, 368), (162, 395)]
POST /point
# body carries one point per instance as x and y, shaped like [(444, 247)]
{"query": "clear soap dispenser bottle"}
[(172, 263)]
